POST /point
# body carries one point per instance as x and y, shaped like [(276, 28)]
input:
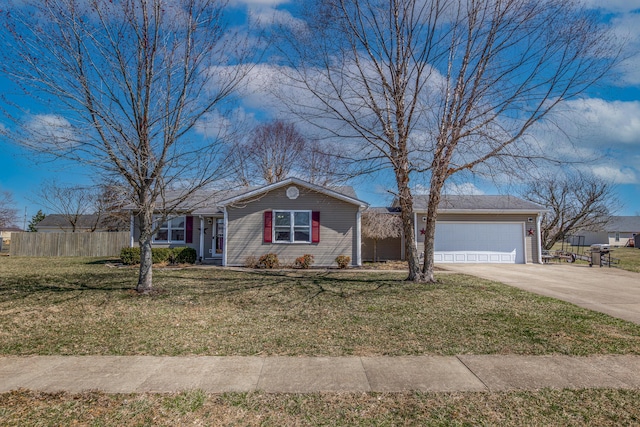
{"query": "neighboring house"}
[(289, 218), (5, 233), (618, 231), (476, 229), (56, 223)]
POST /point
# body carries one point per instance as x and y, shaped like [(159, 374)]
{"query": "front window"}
[(292, 227), (171, 231)]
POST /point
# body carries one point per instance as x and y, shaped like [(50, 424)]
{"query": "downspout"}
[(539, 236), (359, 238), (225, 233), (201, 238), (415, 229)]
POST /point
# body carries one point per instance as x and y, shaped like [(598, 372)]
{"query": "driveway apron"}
[(608, 290)]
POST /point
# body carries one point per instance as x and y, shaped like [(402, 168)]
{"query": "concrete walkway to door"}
[(608, 290)]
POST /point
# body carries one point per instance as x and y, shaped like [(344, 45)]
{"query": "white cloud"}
[(627, 28), (462, 189), (598, 123), (258, 3), (615, 6), (616, 174), (51, 130)]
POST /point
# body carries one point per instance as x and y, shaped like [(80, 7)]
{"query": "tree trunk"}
[(435, 193), (406, 214), (145, 278), (429, 244)]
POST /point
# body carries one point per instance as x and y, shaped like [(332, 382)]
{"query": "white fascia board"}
[(488, 211)]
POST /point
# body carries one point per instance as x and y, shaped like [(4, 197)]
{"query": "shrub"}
[(161, 255), (184, 255), (269, 260), (251, 262), (304, 261), (130, 256), (343, 261)]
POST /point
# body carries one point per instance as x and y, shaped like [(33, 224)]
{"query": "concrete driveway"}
[(608, 290)]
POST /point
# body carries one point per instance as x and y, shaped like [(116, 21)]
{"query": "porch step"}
[(217, 261)]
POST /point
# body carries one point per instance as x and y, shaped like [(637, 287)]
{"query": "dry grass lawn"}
[(539, 408), (82, 307)]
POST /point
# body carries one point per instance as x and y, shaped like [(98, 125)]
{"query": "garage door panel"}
[(479, 242)]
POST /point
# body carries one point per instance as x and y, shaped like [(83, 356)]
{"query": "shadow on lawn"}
[(18, 287), (311, 284)]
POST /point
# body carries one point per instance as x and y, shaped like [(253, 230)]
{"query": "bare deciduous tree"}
[(111, 199), (576, 202), (276, 150), (380, 225), (273, 150), (122, 85), (439, 87), (71, 202), (8, 212)]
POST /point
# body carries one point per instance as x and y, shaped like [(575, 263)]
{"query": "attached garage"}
[(483, 229), (480, 242)]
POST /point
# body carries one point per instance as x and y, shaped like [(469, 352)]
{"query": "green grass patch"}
[(75, 306), (545, 407), (629, 258)]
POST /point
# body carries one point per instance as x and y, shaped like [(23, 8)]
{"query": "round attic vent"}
[(293, 192)]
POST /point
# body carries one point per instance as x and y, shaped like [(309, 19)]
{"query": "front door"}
[(218, 237)]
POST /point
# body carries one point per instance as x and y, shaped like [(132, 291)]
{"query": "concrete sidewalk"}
[(136, 374)]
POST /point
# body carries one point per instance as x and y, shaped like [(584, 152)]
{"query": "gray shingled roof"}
[(84, 222), (629, 224), (206, 202), (480, 202)]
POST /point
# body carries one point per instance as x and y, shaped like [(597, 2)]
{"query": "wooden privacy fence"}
[(97, 244)]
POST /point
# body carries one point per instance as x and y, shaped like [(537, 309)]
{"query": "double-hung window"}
[(171, 231), (292, 226)]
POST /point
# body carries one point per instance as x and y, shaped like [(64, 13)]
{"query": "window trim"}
[(292, 227), (169, 229)]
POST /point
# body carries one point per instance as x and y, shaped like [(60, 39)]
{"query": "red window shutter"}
[(188, 230), (268, 220), (315, 227)]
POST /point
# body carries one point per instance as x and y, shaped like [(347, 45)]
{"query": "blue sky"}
[(604, 125)]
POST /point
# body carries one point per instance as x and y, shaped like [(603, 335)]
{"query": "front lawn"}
[(526, 408), (71, 306)]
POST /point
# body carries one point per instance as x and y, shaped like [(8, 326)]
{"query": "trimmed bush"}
[(304, 261), (343, 261), (269, 260), (161, 255), (184, 255), (130, 256)]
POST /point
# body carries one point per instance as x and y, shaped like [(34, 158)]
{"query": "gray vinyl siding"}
[(530, 242), (245, 228)]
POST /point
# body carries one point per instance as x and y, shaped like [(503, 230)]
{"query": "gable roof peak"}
[(345, 193)]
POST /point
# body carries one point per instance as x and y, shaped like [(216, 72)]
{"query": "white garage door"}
[(479, 243)]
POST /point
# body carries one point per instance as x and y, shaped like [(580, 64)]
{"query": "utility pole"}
[(24, 224)]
